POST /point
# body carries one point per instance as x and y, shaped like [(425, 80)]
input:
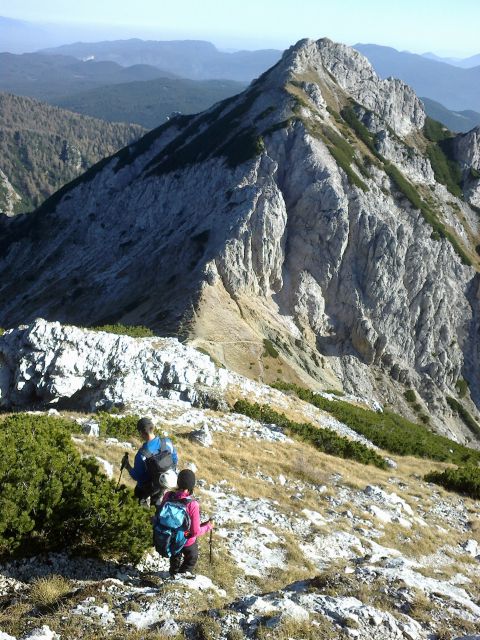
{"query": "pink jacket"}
[(193, 510)]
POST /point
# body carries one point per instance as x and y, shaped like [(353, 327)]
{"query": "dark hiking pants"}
[(185, 560)]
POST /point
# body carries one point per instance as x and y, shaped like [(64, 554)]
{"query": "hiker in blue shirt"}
[(155, 463)]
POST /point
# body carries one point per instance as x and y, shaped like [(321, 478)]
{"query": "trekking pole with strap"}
[(211, 546)]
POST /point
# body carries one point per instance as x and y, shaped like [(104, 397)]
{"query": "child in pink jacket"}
[(186, 560)]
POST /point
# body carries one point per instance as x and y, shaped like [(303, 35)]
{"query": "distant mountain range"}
[(43, 147), (150, 102), (459, 121), (194, 59), (146, 94), (465, 63), (454, 88), (46, 77)]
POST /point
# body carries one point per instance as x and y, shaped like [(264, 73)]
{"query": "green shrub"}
[(389, 430), (467, 419), (461, 386), (325, 440), (351, 118), (50, 497), (269, 349), (342, 151), (410, 395), (111, 426), (2, 331), (125, 330), (464, 480), (434, 130), (446, 170)]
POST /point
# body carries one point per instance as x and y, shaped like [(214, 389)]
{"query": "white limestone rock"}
[(93, 370), (202, 436), (91, 428)]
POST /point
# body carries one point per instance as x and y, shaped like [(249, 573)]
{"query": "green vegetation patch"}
[(465, 480), (410, 395), (388, 430), (116, 427), (467, 419), (325, 440), (351, 118), (440, 153), (134, 331), (212, 135), (342, 152), (269, 349), (446, 171), (50, 496), (461, 386)]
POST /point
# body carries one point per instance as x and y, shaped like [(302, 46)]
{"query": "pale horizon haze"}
[(443, 27)]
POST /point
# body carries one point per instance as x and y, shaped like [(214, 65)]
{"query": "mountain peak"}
[(327, 63)]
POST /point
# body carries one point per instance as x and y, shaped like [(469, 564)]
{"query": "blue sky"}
[(445, 27)]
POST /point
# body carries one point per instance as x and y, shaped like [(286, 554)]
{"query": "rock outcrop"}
[(303, 211), (47, 363)]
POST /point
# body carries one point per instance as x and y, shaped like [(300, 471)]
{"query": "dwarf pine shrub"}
[(138, 331), (464, 480), (465, 416), (388, 430), (116, 427), (325, 440), (269, 349), (409, 395), (50, 497)]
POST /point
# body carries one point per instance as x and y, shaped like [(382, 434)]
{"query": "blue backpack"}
[(169, 526)]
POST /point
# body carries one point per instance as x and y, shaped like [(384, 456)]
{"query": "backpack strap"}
[(146, 453), (163, 448)]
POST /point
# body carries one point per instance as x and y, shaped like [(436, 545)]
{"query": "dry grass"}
[(49, 591), (12, 618), (421, 607), (319, 628), (417, 541)]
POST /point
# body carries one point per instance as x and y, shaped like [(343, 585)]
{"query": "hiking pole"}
[(122, 467), (119, 478)]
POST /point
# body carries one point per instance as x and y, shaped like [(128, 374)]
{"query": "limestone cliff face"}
[(8, 196), (304, 210), (467, 152)]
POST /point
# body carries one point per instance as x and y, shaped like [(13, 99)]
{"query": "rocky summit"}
[(316, 228)]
